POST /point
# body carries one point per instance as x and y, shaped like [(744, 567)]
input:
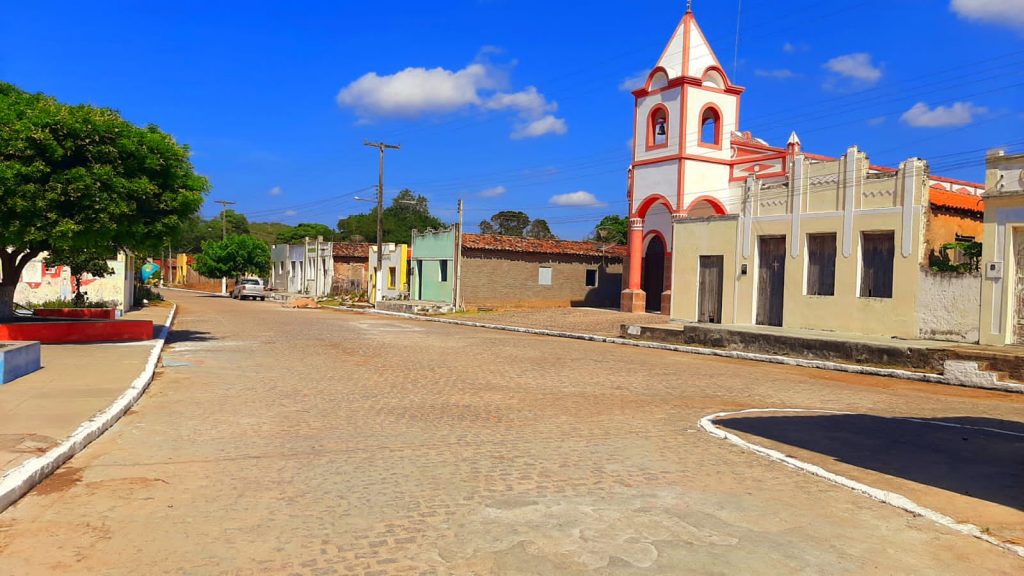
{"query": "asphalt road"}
[(291, 441)]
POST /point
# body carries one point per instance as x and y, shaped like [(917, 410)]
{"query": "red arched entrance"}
[(654, 273)]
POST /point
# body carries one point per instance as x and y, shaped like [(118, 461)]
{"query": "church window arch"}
[(657, 127), (710, 135)]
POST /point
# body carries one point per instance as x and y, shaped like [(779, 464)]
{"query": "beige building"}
[(1002, 301), (837, 245)]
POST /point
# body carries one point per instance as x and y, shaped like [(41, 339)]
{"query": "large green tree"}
[(540, 230), (78, 177), (613, 229), (407, 212), (234, 257)]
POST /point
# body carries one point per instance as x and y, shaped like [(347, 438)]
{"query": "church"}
[(726, 228)]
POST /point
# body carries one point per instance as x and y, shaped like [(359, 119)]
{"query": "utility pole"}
[(380, 215), (224, 234), (458, 264)]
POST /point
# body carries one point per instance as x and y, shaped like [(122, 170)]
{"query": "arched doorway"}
[(654, 273)]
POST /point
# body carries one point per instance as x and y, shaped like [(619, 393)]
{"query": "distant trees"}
[(407, 212), (77, 180), (516, 223), (299, 232)]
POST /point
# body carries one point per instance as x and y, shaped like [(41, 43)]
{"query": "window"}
[(821, 264), (710, 134), (877, 252), (544, 276), (392, 277), (444, 270), (591, 278), (657, 129)]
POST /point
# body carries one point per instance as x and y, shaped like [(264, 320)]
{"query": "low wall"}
[(90, 313), (79, 331), (949, 306), (18, 359)]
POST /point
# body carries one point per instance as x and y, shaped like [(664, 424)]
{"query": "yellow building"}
[(1002, 300)]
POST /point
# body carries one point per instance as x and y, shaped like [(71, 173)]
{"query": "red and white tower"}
[(685, 116)]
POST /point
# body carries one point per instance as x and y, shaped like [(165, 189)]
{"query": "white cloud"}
[(633, 82), (877, 121), (1004, 12), (493, 192), (780, 74), (290, 213), (275, 191), (957, 114), (856, 67), (581, 198), (540, 127), (788, 48), (416, 92)]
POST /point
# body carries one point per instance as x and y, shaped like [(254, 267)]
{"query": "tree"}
[(486, 227), (298, 233), (540, 230), (89, 261), (507, 223), (613, 229), (234, 257), (76, 178), (407, 212), (267, 231)]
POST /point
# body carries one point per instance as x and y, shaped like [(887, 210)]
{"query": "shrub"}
[(59, 303)]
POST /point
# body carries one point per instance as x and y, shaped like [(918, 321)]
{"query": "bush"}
[(58, 303), (148, 293)]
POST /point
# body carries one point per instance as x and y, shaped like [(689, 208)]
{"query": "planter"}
[(89, 313), (18, 359), (78, 331)]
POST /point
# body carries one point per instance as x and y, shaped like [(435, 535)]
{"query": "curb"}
[(891, 498), (194, 291), (19, 480), (820, 364)]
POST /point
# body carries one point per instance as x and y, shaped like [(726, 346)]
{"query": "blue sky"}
[(511, 104)]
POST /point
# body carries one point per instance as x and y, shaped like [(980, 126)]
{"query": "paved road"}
[(289, 441)]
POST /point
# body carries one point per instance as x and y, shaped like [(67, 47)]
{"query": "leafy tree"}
[(233, 257), (298, 233), (78, 178), (613, 229), (507, 223), (407, 212), (540, 230), (89, 261)]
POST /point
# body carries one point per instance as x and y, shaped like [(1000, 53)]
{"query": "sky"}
[(511, 104)]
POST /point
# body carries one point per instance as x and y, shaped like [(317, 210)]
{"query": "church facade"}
[(725, 228)]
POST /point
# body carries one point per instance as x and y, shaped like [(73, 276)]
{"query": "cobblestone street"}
[(282, 441)]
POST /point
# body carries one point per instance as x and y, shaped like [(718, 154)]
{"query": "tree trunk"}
[(7, 301)]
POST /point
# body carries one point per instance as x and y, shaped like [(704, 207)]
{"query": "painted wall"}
[(1001, 306), (39, 283), (430, 251), (949, 306), (396, 256), (944, 226), (895, 203), (496, 278)]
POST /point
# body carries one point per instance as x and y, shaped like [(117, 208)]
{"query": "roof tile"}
[(535, 246)]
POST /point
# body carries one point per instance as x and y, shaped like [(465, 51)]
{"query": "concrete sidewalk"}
[(40, 410)]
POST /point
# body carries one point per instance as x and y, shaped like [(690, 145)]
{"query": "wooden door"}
[(771, 280), (653, 282), (1018, 291), (709, 289)]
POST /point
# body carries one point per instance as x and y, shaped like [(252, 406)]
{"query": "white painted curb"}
[(195, 291), (18, 481), (890, 498)]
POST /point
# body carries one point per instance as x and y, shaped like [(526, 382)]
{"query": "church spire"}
[(689, 6)]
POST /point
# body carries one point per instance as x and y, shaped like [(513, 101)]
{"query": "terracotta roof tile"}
[(952, 200), (531, 245), (351, 249)]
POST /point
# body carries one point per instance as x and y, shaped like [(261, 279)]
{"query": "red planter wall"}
[(79, 331), (91, 313)]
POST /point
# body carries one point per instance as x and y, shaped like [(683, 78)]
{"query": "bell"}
[(660, 130)]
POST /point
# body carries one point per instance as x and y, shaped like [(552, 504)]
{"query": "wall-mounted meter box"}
[(994, 270)]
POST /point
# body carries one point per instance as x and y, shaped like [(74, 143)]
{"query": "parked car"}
[(249, 288)]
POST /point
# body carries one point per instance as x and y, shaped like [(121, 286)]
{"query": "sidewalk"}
[(77, 382)]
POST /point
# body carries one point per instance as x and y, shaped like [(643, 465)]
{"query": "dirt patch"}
[(61, 481)]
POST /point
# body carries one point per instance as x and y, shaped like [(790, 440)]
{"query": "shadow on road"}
[(977, 463), (176, 336)]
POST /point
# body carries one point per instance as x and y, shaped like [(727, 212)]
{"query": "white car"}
[(248, 288)]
